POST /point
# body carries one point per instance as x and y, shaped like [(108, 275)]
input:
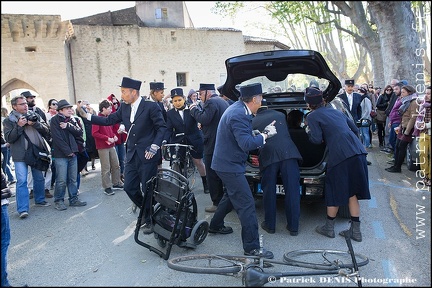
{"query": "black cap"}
[(177, 92), (313, 96), (63, 104), (130, 83), (250, 90), (206, 86), (157, 86), (349, 82), (27, 94)]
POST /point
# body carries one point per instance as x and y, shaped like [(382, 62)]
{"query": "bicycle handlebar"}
[(190, 147)]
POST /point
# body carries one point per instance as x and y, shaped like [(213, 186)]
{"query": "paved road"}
[(94, 245)]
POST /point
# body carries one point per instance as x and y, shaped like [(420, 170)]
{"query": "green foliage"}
[(227, 8)]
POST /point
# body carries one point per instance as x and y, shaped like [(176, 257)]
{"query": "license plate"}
[(280, 189)]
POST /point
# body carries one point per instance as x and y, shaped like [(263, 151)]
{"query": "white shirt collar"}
[(136, 103)]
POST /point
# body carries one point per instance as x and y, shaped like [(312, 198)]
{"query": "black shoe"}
[(393, 169), (221, 230), (256, 252), (147, 228), (292, 233), (369, 163), (268, 230)]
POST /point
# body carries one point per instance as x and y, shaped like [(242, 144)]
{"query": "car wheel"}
[(411, 156), (344, 212)]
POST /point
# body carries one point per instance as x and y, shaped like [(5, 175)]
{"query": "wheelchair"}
[(174, 214)]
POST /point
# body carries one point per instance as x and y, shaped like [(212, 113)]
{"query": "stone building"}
[(86, 58)]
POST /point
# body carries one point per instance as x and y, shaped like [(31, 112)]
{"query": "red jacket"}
[(101, 135), (121, 137)]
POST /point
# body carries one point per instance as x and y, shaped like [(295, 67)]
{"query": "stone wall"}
[(33, 55), (102, 55), (91, 62)]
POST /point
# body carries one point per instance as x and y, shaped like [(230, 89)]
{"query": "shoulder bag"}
[(36, 157)]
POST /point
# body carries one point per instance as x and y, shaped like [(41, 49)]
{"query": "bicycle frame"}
[(253, 275), (252, 268), (181, 161)]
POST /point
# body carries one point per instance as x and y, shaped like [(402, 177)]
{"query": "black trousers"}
[(400, 152), (214, 183), (136, 175), (239, 197)]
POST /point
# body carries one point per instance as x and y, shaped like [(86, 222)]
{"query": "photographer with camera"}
[(17, 125), (30, 98), (33, 109)]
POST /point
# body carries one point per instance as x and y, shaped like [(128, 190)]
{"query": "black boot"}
[(354, 231), (327, 229), (205, 186)]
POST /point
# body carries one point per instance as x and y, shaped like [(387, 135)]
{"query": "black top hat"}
[(130, 83), (313, 96), (349, 82), (63, 104), (157, 86), (27, 94), (250, 90), (206, 86), (177, 92)]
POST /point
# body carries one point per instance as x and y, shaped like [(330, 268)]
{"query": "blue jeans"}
[(120, 149), (392, 137), (22, 192), (6, 163), (366, 137), (5, 241), (66, 177)]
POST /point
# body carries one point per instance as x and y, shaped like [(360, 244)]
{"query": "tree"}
[(378, 31)]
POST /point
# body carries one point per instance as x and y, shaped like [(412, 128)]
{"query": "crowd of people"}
[(127, 134), (396, 115)]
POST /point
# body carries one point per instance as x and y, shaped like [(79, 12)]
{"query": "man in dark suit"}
[(278, 156), (208, 113), (145, 129), (183, 128), (352, 99), (234, 139)]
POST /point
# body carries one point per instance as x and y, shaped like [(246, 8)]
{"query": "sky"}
[(198, 10)]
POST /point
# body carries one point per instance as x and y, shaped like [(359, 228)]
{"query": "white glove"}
[(151, 151), (255, 132), (270, 130)]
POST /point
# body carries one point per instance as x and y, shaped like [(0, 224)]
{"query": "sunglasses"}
[(55, 104), (389, 89)]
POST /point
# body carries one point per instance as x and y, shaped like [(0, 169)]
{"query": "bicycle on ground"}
[(256, 271), (181, 161)]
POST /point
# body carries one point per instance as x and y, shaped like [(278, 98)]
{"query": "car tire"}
[(344, 212), (411, 156)]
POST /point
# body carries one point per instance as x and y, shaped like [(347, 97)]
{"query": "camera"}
[(31, 116)]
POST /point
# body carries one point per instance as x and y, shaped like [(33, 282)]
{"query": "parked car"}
[(284, 74), (412, 155)]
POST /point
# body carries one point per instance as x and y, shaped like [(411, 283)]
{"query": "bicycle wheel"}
[(323, 259), (209, 264), (190, 171), (176, 166)]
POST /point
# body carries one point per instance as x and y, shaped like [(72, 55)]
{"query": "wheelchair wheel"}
[(161, 241), (199, 232)]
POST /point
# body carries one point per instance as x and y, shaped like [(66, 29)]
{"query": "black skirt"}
[(347, 179)]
